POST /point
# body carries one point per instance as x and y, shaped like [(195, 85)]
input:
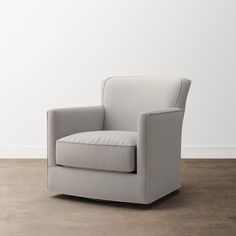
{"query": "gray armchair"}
[(128, 149)]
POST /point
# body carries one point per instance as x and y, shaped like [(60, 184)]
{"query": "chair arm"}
[(67, 121), (159, 140)]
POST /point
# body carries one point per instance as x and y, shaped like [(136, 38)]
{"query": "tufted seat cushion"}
[(99, 150)]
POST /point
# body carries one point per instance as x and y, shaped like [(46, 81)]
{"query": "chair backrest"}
[(124, 98)]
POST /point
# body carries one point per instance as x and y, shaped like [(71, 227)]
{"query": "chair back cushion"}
[(124, 98)]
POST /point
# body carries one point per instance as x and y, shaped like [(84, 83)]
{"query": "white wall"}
[(55, 54)]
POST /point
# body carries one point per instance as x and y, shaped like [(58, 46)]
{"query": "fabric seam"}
[(146, 143), (103, 91), (160, 113), (180, 89), (98, 144), (103, 88)]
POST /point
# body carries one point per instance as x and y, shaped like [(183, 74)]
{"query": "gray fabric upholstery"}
[(99, 150), (151, 106), (124, 98), (114, 186), (66, 121), (103, 137), (183, 93), (159, 150)]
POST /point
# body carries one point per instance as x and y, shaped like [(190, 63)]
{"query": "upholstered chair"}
[(128, 149)]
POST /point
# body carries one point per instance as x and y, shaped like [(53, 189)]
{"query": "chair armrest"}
[(67, 121), (159, 141)]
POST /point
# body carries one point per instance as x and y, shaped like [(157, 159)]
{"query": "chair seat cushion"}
[(99, 150)]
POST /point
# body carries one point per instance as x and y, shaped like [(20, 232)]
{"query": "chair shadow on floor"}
[(169, 201)]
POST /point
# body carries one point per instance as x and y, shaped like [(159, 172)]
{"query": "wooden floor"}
[(205, 205)]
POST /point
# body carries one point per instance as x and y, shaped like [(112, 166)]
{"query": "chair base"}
[(103, 185)]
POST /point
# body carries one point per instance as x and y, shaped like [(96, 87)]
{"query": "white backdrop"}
[(56, 53)]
